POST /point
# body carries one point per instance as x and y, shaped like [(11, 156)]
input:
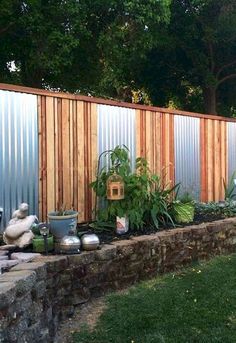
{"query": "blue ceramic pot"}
[(60, 225)]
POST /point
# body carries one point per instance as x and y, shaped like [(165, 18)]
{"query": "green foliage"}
[(132, 30), (89, 46), (177, 53), (182, 207), (62, 211), (146, 200), (195, 65), (223, 209), (186, 198), (230, 188), (160, 204), (183, 212)]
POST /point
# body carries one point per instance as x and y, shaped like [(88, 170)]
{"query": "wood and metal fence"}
[(194, 149)]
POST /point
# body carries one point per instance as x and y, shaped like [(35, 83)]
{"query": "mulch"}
[(108, 236)]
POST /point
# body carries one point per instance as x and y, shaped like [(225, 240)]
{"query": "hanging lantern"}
[(115, 187)]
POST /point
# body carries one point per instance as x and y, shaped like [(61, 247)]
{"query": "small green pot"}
[(38, 244)]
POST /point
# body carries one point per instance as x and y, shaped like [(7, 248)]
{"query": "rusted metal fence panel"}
[(187, 154), (18, 152)]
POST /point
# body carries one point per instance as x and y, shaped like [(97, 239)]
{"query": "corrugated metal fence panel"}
[(116, 126), (231, 129), (187, 154), (18, 152)]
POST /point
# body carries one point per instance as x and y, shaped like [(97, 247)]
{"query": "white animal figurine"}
[(18, 231)]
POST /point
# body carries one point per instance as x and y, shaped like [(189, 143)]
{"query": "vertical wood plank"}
[(66, 153), (157, 156), (172, 151), (226, 154), (86, 158), (50, 154), (71, 145), (143, 148), (167, 149), (75, 157), (39, 109), (223, 157), (138, 132), (80, 160), (149, 139), (59, 154), (203, 171), (43, 171), (93, 154), (164, 146), (90, 156), (154, 141), (217, 161), (210, 159), (56, 166)]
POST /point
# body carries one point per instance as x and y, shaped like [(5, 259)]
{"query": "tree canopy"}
[(173, 52), (196, 67)]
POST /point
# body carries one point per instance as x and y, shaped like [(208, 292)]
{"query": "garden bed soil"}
[(109, 235)]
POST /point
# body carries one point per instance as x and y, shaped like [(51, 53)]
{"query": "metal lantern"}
[(115, 187)]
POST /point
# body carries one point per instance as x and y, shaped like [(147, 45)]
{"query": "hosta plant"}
[(183, 208)]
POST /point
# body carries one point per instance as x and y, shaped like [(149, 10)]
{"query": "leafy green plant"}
[(62, 211), (223, 209), (186, 198), (182, 207), (183, 212), (146, 200), (229, 189), (160, 203)]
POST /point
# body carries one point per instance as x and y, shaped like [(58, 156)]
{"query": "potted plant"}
[(145, 201), (61, 221)]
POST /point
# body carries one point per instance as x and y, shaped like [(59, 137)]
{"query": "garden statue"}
[(18, 232)]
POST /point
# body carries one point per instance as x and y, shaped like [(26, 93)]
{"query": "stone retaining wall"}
[(35, 297)]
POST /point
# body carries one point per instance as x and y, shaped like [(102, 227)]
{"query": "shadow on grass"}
[(195, 305)]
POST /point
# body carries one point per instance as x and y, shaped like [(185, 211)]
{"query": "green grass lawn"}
[(195, 305)]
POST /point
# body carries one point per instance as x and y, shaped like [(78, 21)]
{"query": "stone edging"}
[(36, 296)]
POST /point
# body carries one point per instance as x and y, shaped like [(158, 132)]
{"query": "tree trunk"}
[(31, 77), (209, 94)]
